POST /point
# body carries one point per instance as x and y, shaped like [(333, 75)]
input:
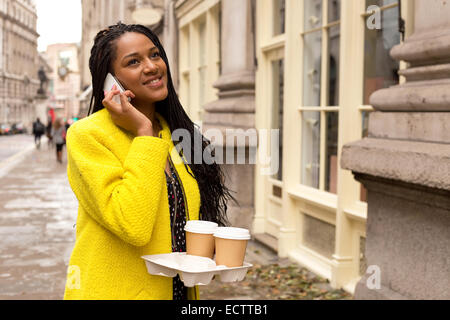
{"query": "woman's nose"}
[(149, 66)]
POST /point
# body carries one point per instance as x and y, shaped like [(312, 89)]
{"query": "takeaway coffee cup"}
[(231, 244), (199, 238)]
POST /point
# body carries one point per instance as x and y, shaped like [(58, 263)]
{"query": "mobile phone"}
[(110, 81)]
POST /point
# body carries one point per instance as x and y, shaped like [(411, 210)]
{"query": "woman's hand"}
[(125, 115)]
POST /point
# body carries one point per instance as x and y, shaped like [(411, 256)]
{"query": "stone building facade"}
[(307, 69), (19, 62), (64, 80), (316, 71)]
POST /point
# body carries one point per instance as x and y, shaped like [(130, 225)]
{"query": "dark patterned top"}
[(177, 223)]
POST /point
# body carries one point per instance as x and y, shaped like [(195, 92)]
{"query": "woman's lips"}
[(154, 84)]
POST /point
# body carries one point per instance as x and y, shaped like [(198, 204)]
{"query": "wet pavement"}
[(38, 210), (272, 278), (13, 144), (37, 213)]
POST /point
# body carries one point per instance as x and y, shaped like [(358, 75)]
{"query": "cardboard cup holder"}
[(193, 270)]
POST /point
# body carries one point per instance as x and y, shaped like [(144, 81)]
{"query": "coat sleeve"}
[(122, 198)]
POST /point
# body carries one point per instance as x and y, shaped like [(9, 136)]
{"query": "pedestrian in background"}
[(38, 131), (48, 132), (67, 126), (59, 135)]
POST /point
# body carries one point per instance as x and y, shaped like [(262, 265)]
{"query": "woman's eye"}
[(155, 55), (133, 61)]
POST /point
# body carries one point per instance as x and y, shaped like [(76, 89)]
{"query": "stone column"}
[(405, 166), (170, 39), (235, 108)]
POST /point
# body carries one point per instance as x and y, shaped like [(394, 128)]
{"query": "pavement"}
[(272, 278), (37, 214), (257, 254), (38, 211)]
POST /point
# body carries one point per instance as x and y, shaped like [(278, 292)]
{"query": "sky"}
[(59, 21)]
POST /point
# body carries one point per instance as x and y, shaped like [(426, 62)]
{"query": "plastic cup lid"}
[(232, 233), (199, 226)]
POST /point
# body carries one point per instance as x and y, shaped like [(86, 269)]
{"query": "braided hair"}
[(210, 178)]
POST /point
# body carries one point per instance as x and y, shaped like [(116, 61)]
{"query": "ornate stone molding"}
[(432, 95), (236, 81), (235, 104), (415, 126), (424, 48), (421, 163)]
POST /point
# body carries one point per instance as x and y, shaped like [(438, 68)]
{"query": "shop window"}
[(320, 110), (311, 66), (380, 70), (334, 10), (313, 14), (279, 16), (332, 120), (277, 110), (310, 148)]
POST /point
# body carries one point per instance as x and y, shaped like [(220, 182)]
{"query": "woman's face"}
[(139, 67)]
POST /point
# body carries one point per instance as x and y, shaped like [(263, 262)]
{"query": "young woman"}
[(135, 191)]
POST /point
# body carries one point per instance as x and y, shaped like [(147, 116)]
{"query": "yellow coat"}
[(123, 211)]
